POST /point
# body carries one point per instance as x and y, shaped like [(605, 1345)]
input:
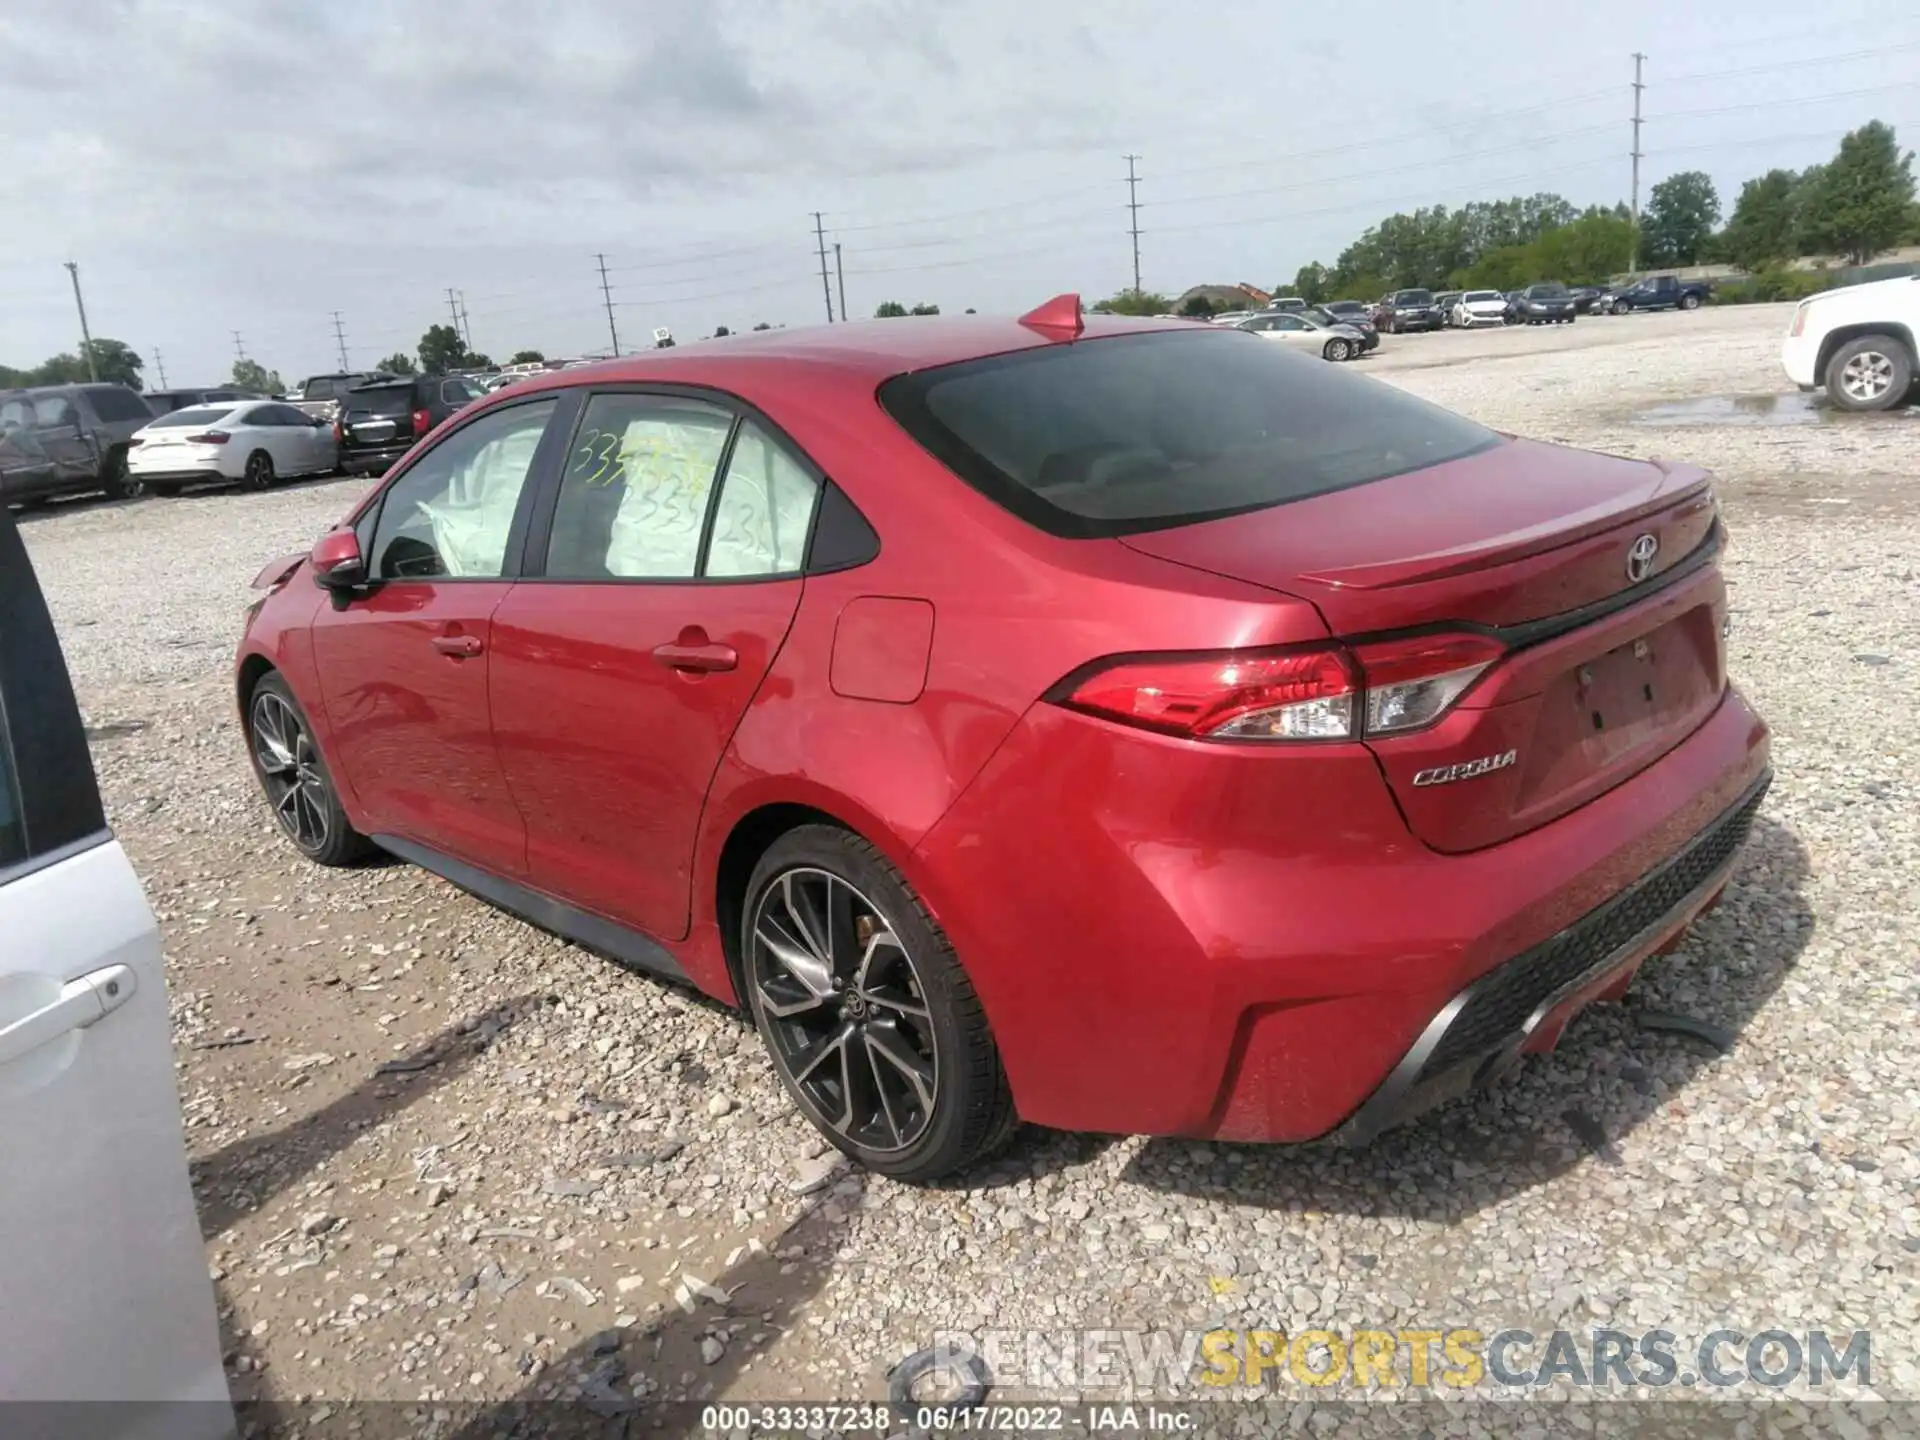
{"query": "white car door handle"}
[(81, 1002)]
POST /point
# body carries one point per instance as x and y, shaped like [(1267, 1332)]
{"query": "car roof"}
[(863, 351)]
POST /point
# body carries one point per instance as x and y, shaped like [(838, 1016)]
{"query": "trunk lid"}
[(1610, 666)]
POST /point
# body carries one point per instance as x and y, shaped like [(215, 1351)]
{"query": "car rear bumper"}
[(1197, 940), (180, 475), (372, 458)]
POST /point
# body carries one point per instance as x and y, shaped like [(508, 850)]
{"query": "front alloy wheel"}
[(1872, 372), (295, 779), (873, 1027)]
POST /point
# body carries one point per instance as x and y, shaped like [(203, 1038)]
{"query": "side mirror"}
[(337, 562)]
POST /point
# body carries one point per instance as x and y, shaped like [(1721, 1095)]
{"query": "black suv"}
[(1547, 303), (1405, 310), (379, 423)]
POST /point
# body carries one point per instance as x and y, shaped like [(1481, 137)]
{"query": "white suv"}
[(104, 1293), (1857, 342)]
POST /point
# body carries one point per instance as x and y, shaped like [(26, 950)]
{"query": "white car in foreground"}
[(1858, 343), (1480, 307), (254, 441), (104, 1295)]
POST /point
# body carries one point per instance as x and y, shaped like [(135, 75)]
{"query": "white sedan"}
[(1331, 342), (1480, 307), (255, 442)]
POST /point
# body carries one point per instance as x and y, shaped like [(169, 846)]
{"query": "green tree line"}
[(1856, 205)]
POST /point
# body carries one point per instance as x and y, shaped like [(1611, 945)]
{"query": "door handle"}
[(460, 647), (81, 1002), (700, 659)]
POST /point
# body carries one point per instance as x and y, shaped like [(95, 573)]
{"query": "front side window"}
[(766, 506), (1138, 432), (455, 392), (633, 498), (116, 402), (450, 514)]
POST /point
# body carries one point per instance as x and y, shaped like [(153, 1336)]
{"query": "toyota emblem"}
[(1640, 557)]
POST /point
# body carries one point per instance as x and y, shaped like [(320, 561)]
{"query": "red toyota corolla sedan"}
[(1119, 725)]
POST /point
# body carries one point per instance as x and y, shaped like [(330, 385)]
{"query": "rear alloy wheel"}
[(873, 1027), (1689, 302), (118, 481), (295, 778), (259, 472), (1872, 372), (1338, 349)]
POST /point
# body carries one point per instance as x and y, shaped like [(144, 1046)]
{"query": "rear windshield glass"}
[(390, 400), (196, 415), (1141, 432)]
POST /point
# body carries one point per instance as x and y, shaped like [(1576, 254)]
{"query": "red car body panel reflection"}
[(1168, 935)]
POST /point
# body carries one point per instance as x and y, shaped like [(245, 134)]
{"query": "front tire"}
[(1870, 372), (872, 1026), (1620, 307), (295, 780), (1338, 350)]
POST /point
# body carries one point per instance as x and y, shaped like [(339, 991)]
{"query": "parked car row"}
[(60, 440)]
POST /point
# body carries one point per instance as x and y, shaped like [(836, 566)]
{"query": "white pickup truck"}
[(1857, 343)]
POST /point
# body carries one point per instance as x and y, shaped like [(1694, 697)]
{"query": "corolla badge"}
[(1640, 557), (1466, 769)]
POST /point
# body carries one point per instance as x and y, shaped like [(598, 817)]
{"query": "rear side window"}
[(633, 498), (1140, 432), (766, 506), (115, 402)]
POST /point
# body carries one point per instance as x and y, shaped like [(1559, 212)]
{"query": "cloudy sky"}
[(257, 167)]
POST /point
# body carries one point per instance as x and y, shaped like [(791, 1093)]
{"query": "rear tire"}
[(1870, 372), (1689, 302), (294, 777), (259, 472), (118, 481), (871, 1024)]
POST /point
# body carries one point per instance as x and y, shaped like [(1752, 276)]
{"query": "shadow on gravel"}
[(1554, 1111), (250, 1172)]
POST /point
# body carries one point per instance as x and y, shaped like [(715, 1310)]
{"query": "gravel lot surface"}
[(441, 1156)]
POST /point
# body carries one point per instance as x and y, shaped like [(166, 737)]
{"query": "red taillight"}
[(422, 422), (1328, 692), (209, 437), (1247, 694), (339, 433), (1413, 682)]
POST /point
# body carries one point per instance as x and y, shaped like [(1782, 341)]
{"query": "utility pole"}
[(160, 364), (607, 295), (1633, 259), (466, 324), (840, 274), (340, 335), (1133, 209), (453, 308), (86, 338), (820, 239), (239, 348)]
